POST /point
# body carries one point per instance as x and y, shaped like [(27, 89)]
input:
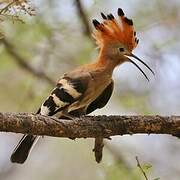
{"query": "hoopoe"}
[(90, 86)]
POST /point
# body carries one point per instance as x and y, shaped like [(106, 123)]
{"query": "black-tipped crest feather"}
[(110, 16), (120, 12), (128, 21), (103, 16), (95, 23)]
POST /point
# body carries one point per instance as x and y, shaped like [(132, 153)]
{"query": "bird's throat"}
[(107, 63)]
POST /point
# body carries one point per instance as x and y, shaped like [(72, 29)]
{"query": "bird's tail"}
[(23, 148)]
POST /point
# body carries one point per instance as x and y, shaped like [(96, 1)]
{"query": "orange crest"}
[(112, 30)]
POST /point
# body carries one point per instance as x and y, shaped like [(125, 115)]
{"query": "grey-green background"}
[(53, 42)]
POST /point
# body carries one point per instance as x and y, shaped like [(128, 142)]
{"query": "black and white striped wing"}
[(67, 91)]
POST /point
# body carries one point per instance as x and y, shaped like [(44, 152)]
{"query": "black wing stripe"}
[(63, 95), (50, 104), (69, 87), (78, 84), (67, 91)]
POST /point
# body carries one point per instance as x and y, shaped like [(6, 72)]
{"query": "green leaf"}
[(157, 178), (147, 166)]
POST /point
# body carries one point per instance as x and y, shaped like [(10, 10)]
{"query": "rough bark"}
[(91, 126)]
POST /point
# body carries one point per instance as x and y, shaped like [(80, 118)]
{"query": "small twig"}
[(141, 169), (98, 149), (20, 5), (6, 7)]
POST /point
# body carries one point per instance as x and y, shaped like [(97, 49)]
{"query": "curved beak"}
[(134, 56)]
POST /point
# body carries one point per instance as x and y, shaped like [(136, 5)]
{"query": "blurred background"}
[(35, 54)]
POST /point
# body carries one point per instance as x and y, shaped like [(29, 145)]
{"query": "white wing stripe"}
[(69, 88), (58, 102)]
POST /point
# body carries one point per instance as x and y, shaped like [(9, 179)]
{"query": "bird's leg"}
[(68, 116)]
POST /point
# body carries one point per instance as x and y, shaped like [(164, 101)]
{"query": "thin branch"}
[(7, 7), (83, 17), (23, 63), (98, 149), (141, 169), (90, 126)]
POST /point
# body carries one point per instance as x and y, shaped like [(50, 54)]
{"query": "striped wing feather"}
[(67, 91)]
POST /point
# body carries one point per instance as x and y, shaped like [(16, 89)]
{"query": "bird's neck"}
[(107, 61)]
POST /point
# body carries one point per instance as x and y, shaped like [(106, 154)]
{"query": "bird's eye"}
[(121, 49)]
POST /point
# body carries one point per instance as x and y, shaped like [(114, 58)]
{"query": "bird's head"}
[(117, 39)]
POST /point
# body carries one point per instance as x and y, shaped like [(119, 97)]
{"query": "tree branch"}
[(83, 17), (91, 126)]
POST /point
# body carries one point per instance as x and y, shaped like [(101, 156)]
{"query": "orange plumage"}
[(112, 30)]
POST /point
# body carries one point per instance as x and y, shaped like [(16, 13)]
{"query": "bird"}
[(90, 86)]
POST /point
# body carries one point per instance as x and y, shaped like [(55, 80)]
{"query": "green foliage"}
[(119, 171), (146, 167)]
